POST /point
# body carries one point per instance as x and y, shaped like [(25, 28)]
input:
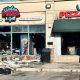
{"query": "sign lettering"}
[(10, 14), (70, 14)]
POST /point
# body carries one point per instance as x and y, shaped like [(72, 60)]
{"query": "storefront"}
[(25, 30), (22, 30), (66, 31), (15, 38)]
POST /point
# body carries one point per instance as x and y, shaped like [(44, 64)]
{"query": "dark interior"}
[(5, 43), (39, 41), (36, 41), (70, 40)]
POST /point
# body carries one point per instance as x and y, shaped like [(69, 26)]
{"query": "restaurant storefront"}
[(22, 32), (25, 30), (66, 31)]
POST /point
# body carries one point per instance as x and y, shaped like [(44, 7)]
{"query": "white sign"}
[(31, 19), (50, 39)]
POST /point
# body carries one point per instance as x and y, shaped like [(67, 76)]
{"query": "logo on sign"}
[(78, 7), (70, 14), (10, 14)]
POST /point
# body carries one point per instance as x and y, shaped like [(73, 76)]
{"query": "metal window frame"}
[(11, 34)]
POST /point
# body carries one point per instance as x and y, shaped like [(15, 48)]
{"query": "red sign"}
[(10, 13), (69, 14)]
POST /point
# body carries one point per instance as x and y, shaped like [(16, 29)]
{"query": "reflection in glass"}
[(20, 28), (37, 28)]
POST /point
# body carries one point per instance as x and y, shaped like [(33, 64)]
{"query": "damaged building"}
[(31, 28)]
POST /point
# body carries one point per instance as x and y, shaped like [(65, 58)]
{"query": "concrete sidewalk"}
[(55, 67)]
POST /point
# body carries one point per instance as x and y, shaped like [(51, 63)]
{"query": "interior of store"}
[(17, 40), (5, 40), (70, 43), (5, 44), (36, 43)]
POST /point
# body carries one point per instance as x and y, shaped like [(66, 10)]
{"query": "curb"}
[(61, 70), (28, 69), (47, 70)]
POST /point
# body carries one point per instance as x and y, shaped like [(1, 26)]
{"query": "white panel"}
[(57, 44)]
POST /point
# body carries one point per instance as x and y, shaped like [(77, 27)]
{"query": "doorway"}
[(70, 43)]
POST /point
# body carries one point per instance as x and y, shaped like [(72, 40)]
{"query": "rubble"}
[(6, 66)]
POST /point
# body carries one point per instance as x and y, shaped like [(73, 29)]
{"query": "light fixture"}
[(48, 6), (50, 26)]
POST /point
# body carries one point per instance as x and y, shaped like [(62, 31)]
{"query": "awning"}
[(66, 25)]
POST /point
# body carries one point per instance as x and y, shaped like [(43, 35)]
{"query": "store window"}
[(22, 39), (5, 28), (20, 28), (19, 44), (36, 43), (37, 28), (36, 39), (5, 40), (27, 39)]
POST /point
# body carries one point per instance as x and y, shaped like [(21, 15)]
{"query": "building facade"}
[(25, 27), (66, 31)]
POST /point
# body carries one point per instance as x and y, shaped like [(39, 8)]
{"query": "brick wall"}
[(52, 56), (67, 58)]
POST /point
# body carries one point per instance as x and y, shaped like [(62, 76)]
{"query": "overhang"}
[(66, 25)]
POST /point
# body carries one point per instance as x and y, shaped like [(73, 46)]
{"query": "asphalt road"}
[(40, 76)]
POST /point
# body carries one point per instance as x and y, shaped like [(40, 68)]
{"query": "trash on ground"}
[(10, 65)]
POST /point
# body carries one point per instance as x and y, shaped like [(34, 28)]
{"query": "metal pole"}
[(28, 39), (11, 40)]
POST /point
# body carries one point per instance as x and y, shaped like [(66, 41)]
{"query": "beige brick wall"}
[(66, 58), (52, 56)]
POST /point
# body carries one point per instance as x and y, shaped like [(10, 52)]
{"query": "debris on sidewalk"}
[(6, 66)]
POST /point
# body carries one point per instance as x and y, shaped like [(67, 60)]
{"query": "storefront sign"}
[(30, 19), (78, 7), (70, 14), (10, 13)]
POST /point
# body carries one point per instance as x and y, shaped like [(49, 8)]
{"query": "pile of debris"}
[(8, 66)]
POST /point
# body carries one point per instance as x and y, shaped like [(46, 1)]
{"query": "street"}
[(40, 76)]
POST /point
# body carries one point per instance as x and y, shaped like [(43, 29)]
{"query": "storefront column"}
[(28, 39), (11, 39), (52, 55), (57, 44)]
